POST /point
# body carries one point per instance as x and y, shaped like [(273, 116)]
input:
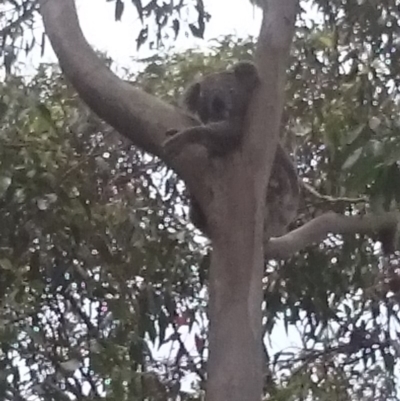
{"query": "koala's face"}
[(224, 95), (217, 96)]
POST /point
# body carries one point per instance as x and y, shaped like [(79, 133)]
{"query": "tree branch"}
[(137, 115), (265, 111), (142, 118), (236, 216), (331, 199), (330, 223)]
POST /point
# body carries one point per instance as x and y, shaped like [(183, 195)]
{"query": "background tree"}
[(61, 179)]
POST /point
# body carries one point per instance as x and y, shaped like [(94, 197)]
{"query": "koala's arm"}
[(218, 138)]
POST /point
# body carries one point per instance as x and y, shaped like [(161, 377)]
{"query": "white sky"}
[(118, 39)]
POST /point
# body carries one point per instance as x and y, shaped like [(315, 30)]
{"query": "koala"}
[(220, 101)]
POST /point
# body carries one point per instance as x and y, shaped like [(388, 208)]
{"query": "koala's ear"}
[(191, 97), (246, 72)]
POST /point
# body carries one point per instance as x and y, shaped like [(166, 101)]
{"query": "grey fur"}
[(220, 101)]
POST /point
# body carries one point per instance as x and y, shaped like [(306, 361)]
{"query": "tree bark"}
[(236, 223)]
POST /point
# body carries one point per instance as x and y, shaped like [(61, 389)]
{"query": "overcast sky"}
[(118, 39)]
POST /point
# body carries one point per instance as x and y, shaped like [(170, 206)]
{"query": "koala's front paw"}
[(174, 144)]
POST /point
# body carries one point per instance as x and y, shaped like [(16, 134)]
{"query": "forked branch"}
[(129, 110), (137, 115)]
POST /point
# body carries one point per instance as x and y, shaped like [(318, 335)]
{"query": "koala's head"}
[(222, 95)]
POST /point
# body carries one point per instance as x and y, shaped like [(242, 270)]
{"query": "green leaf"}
[(352, 159), (70, 366), (6, 264), (354, 134), (3, 109), (5, 183), (45, 112), (119, 9)]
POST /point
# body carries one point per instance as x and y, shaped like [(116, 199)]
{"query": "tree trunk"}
[(234, 367), (234, 370)]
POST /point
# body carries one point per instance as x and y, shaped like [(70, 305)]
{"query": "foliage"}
[(167, 18), (160, 22), (17, 21), (89, 267), (98, 268), (343, 296)]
